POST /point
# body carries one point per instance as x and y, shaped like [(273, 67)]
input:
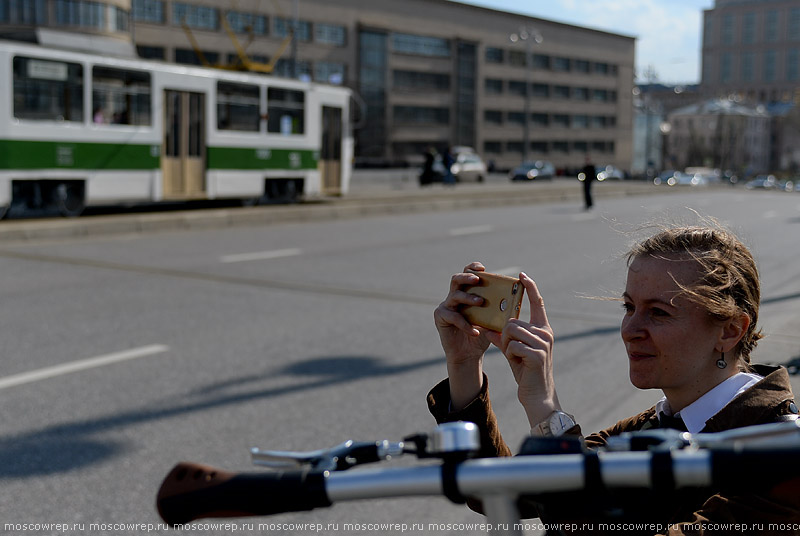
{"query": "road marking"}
[(83, 364), (261, 255), (475, 229)]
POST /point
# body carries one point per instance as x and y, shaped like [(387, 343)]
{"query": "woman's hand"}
[(463, 343), (528, 347)]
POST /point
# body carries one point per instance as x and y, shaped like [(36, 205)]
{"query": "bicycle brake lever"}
[(338, 458)]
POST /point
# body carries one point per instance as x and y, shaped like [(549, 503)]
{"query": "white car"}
[(468, 167)]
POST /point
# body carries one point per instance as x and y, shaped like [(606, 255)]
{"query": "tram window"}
[(285, 109), (47, 90), (237, 107), (120, 96)]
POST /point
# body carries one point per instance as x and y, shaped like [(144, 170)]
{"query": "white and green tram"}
[(79, 129)]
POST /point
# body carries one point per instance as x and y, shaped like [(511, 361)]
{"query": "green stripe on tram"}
[(20, 154), (248, 158)]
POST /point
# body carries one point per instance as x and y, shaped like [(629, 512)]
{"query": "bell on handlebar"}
[(454, 439)]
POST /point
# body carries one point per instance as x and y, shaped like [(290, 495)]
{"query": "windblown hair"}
[(728, 282)]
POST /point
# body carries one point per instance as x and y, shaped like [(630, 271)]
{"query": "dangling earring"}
[(721, 363)]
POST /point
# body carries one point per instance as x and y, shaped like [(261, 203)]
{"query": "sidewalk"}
[(394, 196)]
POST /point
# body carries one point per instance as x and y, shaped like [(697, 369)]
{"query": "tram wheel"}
[(69, 199)]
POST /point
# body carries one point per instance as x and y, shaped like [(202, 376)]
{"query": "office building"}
[(426, 72)]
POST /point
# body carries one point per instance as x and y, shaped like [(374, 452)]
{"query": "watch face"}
[(560, 422)]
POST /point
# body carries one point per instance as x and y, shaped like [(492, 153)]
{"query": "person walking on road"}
[(589, 176)]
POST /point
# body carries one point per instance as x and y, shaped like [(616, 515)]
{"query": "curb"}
[(371, 201)]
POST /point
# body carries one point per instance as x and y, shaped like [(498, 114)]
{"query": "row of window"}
[(51, 90), (208, 18), (548, 147), (329, 72), (497, 117), (751, 66), (495, 86), (72, 13), (753, 27), (562, 64)]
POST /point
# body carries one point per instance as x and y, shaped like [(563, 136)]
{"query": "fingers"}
[(538, 313), (518, 334)]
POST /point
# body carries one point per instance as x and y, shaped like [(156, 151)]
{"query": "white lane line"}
[(83, 364), (475, 229), (261, 255)]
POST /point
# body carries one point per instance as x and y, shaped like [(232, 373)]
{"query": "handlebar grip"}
[(193, 491)]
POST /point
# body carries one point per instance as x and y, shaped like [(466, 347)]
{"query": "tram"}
[(79, 129)]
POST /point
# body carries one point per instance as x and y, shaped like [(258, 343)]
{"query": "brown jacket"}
[(766, 402)]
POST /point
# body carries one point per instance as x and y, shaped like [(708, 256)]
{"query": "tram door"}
[(331, 153), (183, 162)]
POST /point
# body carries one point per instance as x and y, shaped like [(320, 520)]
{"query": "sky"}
[(669, 32)]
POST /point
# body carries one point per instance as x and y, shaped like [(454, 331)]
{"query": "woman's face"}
[(670, 340)]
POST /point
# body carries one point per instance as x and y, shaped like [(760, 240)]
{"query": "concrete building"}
[(719, 134), (428, 72), (751, 50)]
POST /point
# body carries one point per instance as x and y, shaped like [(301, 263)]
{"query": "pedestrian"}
[(427, 174), (589, 173), (689, 325), (448, 161)]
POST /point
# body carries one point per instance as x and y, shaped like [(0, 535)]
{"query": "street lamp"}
[(531, 36)]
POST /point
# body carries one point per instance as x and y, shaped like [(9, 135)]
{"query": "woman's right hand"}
[(463, 343)]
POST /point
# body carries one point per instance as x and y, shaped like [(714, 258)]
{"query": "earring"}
[(721, 363)]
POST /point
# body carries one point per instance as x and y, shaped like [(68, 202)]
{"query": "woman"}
[(690, 312)]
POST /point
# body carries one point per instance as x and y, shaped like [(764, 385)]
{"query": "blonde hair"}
[(729, 282)]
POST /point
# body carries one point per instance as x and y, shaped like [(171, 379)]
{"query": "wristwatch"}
[(554, 426)]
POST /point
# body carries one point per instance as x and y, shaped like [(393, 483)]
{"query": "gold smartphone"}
[(502, 300)]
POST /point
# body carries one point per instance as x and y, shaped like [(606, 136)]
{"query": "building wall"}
[(435, 81), (751, 49)]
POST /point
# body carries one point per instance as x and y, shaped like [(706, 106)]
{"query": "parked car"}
[(762, 182), (468, 167), (528, 171), (609, 172)]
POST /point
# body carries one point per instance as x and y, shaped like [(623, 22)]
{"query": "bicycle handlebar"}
[(193, 491), (744, 459)]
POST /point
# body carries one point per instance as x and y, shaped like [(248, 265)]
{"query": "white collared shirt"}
[(696, 414)]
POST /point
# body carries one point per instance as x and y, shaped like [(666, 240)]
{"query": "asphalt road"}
[(199, 344)]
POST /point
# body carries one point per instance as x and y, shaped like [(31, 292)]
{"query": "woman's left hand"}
[(528, 347)]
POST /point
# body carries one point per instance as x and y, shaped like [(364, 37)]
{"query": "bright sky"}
[(669, 32)]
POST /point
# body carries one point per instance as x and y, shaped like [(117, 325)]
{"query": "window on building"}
[(562, 64), (518, 58), (23, 12), (285, 111), (494, 55), (198, 17), (580, 121), (494, 117), (540, 147), (561, 92), (561, 120), (771, 26), (189, 57), (492, 147), (121, 96), (747, 70), (118, 19), (420, 81), (516, 118), (330, 34), (283, 28), (421, 115), (80, 13), (47, 90), (151, 53), (728, 28), (420, 45), (794, 24), (540, 61), (598, 121), (580, 146), (540, 119), (330, 72), (246, 23), (516, 87), (769, 65), (493, 86), (514, 147), (541, 91), (560, 146), (793, 64), (601, 68), (582, 66), (298, 69), (580, 93), (600, 95), (749, 28), (238, 107), (151, 11)]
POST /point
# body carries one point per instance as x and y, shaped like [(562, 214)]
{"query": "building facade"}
[(425, 72), (751, 50)]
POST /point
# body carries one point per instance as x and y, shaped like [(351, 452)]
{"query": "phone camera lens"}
[(503, 305)]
